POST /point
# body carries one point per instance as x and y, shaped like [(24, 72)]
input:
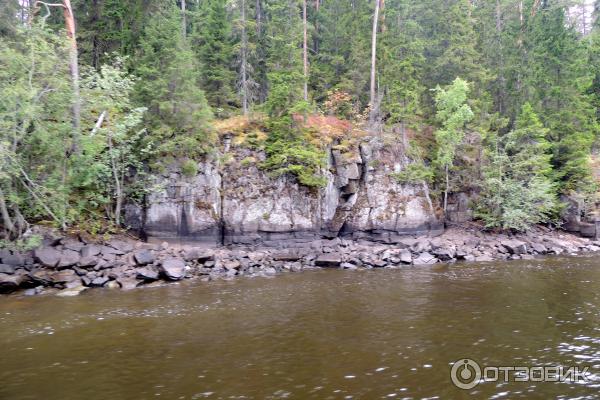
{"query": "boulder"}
[(121, 246), (484, 258), (329, 260), (515, 246), (41, 276), (445, 253), (128, 283), (173, 268), (88, 261), (539, 248), (143, 257), (16, 260), (147, 273), (68, 258), (425, 258), (99, 281), (47, 256), (90, 250), (405, 256), (231, 265), (10, 283), (66, 275), (7, 269), (71, 292), (197, 254)]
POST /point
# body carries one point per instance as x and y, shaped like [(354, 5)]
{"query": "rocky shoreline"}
[(67, 266)]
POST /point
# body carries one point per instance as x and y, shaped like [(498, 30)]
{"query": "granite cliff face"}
[(233, 201)]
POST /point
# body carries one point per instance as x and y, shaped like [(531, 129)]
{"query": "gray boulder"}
[(405, 256), (90, 251), (147, 274), (16, 259), (68, 259), (329, 260), (425, 258), (99, 281), (143, 257), (64, 276), (173, 268), (515, 246), (7, 269), (47, 256), (10, 283), (128, 283)]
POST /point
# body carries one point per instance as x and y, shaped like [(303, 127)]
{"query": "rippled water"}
[(315, 335)]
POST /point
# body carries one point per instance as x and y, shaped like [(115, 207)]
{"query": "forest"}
[(496, 98)]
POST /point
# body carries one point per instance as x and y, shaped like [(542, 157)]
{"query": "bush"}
[(189, 168)]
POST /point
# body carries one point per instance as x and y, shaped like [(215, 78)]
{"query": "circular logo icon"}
[(465, 373)]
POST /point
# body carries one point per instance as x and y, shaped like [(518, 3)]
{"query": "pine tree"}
[(213, 44), (168, 86), (517, 189)]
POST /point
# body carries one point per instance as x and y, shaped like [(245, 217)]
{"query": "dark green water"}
[(316, 335)]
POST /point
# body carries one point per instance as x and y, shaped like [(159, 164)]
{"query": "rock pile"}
[(71, 266)]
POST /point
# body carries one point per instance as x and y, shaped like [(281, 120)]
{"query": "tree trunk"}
[(446, 191), (244, 61), (373, 62), (183, 19), (305, 50), (7, 222), (74, 69)]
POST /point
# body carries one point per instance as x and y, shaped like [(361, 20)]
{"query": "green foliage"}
[(178, 117), (517, 190), (415, 173), (298, 159), (453, 113), (189, 168), (215, 53)]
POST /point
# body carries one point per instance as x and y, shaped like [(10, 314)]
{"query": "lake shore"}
[(67, 266)]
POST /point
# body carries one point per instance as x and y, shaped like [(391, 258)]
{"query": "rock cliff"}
[(231, 200)]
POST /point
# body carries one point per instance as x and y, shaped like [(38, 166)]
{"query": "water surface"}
[(331, 334)]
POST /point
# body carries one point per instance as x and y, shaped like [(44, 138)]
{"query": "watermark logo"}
[(466, 374)]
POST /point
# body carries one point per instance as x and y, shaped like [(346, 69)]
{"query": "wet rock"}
[(67, 275), (88, 261), (90, 250), (72, 292), (147, 274), (425, 258), (16, 260), (47, 256), (121, 246), (484, 258), (444, 253), (515, 246), (143, 257), (199, 255), (41, 276), (112, 285), (539, 248), (34, 291), (286, 256), (99, 281), (328, 260), (231, 265), (10, 283), (349, 266), (173, 269), (405, 256), (68, 258), (7, 269)]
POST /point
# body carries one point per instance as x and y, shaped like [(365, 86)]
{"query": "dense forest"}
[(496, 98)]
